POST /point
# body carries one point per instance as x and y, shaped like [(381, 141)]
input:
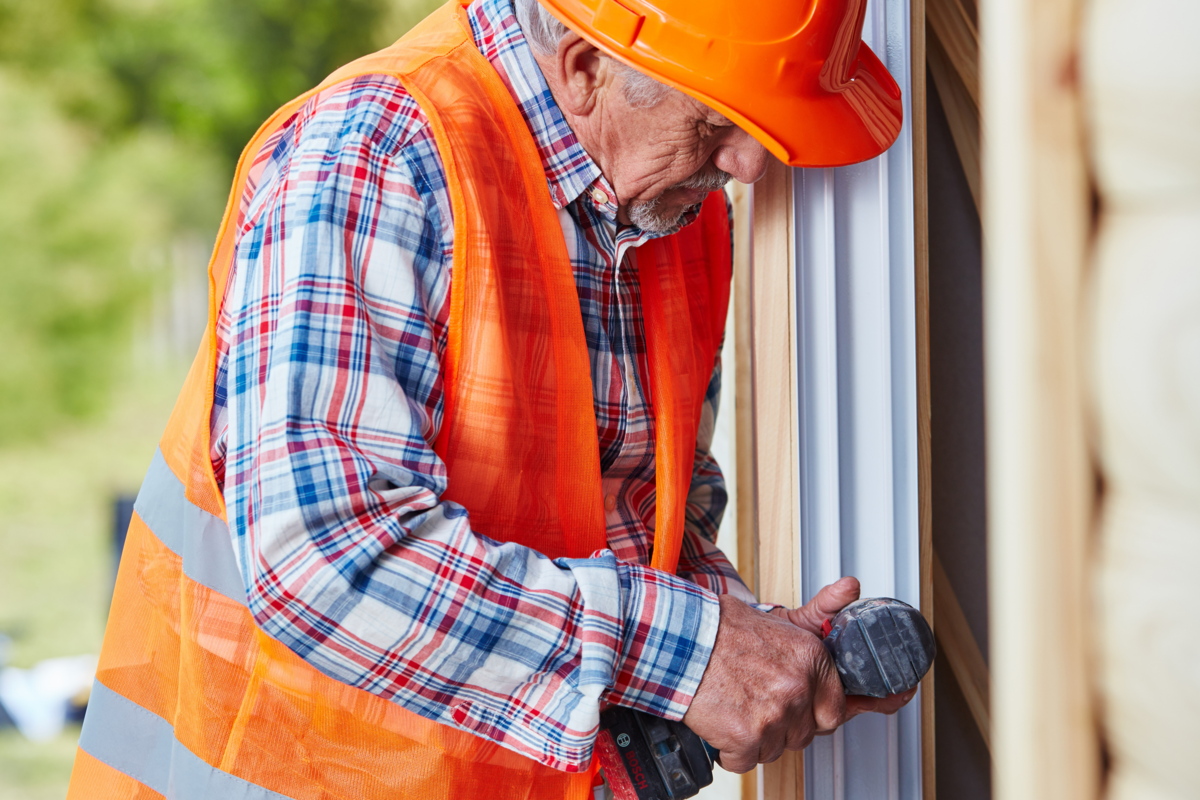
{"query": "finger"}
[(829, 702), (770, 754), (737, 762), (830, 600), (880, 705), (800, 734), (775, 739)]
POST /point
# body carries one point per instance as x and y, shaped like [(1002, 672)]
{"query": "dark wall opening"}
[(959, 478)]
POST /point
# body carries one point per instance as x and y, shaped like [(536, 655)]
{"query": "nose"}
[(741, 156)]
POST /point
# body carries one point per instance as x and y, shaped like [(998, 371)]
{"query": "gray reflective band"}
[(128, 738), (196, 536), (142, 745)]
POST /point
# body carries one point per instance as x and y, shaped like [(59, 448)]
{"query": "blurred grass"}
[(31, 771), (56, 562)]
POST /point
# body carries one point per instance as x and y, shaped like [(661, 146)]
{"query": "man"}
[(453, 414)]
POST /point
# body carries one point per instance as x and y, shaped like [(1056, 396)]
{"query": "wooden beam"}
[(776, 449), (747, 542), (962, 652), (924, 426), (962, 113), (956, 33), (1036, 228), (953, 58)]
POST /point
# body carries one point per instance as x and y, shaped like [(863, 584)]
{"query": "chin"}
[(657, 218)]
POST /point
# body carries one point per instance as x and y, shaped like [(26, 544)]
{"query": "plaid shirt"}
[(328, 399)]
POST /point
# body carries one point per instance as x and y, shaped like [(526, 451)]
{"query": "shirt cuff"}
[(670, 628)]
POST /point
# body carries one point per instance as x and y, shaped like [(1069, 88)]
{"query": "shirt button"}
[(600, 196), (610, 502)]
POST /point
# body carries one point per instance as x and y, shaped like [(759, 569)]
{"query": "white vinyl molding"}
[(857, 372)]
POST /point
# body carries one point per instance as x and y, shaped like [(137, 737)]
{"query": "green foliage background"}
[(120, 125)]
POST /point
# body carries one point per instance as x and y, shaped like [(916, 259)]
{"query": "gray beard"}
[(649, 217)]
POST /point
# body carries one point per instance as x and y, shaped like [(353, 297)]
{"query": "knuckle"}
[(742, 740), (737, 760), (801, 739), (773, 719)]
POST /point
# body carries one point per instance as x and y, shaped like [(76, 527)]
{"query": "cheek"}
[(662, 151), (661, 165)]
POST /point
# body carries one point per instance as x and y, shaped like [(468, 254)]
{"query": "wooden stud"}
[(1036, 225), (962, 113), (953, 58), (962, 652), (776, 449), (747, 543), (924, 424), (955, 31)]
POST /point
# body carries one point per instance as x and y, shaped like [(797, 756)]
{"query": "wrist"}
[(669, 627)]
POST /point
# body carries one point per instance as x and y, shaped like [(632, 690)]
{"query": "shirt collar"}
[(570, 171)]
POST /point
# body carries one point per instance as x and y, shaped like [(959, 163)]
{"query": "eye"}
[(714, 124)]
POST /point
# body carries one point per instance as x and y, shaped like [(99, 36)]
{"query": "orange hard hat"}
[(795, 74)]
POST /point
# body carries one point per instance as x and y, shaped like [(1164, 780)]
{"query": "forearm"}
[(493, 637)]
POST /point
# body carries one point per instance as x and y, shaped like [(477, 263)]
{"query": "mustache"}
[(711, 180)]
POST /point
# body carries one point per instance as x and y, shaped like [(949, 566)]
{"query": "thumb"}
[(830, 600)]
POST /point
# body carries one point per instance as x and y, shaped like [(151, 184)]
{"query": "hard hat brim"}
[(807, 107), (830, 129)]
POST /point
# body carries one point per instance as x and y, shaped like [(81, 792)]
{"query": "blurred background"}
[(120, 125)]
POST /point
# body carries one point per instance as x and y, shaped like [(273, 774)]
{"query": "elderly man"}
[(439, 486)]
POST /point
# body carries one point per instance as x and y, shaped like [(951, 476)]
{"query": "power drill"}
[(880, 646)]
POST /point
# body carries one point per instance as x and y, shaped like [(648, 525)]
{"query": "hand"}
[(770, 686), (811, 617)]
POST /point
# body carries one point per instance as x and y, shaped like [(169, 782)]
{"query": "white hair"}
[(544, 32)]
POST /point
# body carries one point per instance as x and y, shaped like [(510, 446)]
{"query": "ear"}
[(583, 73)]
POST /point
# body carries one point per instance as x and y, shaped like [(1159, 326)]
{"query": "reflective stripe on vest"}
[(119, 732), (199, 538), (143, 746), (192, 699)]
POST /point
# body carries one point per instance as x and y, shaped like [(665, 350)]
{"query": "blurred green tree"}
[(120, 125)]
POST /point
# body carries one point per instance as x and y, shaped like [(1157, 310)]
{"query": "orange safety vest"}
[(191, 699)]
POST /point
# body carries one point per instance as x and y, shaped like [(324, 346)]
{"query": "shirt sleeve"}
[(700, 560), (336, 322)]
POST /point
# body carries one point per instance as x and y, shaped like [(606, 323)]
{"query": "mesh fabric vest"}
[(191, 699)]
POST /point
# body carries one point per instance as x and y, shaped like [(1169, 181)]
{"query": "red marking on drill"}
[(635, 769), (614, 767), (826, 628)]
